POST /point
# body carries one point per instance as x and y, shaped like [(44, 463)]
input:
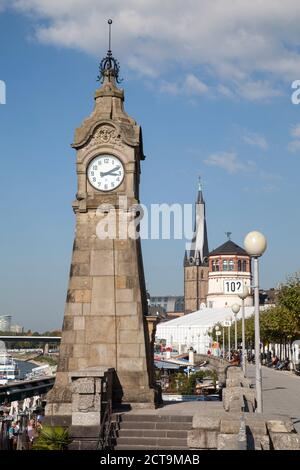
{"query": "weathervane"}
[(228, 235), (109, 66)]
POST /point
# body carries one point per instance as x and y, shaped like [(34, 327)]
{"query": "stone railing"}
[(237, 427), (237, 395)]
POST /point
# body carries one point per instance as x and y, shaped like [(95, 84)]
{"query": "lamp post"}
[(243, 295), (255, 244), (223, 335), (229, 345), (235, 309), (217, 328)]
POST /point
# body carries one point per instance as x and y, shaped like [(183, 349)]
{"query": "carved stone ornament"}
[(104, 135)]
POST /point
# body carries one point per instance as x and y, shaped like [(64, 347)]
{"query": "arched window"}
[(244, 265), (231, 265), (239, 265), (225, 265)]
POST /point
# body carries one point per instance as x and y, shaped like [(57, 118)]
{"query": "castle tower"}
[(104, 322), (196, 260), (229, 272)]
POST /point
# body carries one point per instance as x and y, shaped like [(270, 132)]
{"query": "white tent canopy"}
[(192, 330)]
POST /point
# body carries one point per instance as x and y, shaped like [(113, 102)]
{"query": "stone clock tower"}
[(104, 322)]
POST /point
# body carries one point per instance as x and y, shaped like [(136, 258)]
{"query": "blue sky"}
[(212, 100)]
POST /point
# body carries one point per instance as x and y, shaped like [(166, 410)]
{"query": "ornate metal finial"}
[(228, 235), (109, 66)]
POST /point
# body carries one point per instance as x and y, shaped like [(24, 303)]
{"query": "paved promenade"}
[(281, 393)]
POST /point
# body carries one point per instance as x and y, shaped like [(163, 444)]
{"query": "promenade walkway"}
[(281, 393)]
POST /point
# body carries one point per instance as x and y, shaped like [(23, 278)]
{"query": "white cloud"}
[(255, 140), (295, 131), (190, 86), (249, 48), (229, 161)]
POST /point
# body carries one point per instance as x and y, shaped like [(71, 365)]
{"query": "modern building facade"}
[(169, 303), (5, 322)]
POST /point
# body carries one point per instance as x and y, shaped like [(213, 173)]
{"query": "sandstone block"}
[(91, 418), (210, 423), (280, 426), (202, 439), (102, 263), (100, 329), (73, 308), (81, 256), (103, 296), (126, 308), (227, 442), (124, 295), (130, 350), (79, 323), (80, 282), (285, 441), (84, 385)]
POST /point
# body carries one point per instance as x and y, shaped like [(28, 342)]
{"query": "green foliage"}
[(52, 438), (192, 381), (278, 324), (52, 361), (181, 383)]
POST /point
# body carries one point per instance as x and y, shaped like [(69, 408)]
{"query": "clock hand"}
[(110, 172)]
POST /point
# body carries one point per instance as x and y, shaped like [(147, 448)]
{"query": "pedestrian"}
[(31, 433)]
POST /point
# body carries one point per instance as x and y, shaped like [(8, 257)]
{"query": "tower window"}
[(215, 265), (239, 265), (244, 265), (225, 265), (231, 265)]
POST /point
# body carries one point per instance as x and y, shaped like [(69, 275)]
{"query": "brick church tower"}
[(196, 261)]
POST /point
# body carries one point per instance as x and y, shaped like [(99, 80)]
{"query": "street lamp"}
[(243, 295), (255, 244), (235, 309), (218, 333), (229, 345)]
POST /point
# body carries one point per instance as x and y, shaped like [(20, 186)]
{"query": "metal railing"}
[(108, 426)]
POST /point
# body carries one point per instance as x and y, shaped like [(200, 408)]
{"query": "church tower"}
[(196, 260), (104, 322)]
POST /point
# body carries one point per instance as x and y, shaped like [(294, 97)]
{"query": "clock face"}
[(105, 172)]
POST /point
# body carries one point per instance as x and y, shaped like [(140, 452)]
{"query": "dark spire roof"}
[(200, 199), (229, 248), (198, 253)]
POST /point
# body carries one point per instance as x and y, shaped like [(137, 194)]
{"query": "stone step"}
[(156, 418), (181, 434), (151, 441), (169, 426)]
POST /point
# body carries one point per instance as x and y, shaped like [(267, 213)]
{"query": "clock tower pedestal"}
[(105, 315)]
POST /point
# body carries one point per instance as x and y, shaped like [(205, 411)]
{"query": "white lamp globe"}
[(243, 295), (255, 243), (235, 308), (217, 328)]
